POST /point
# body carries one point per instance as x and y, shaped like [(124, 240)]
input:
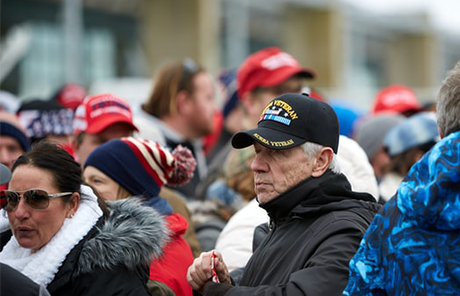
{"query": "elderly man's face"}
[(276, 171)]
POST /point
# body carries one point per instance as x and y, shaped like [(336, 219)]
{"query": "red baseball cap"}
[(98, 112), (268, 67), (71, 95), (396, 98)]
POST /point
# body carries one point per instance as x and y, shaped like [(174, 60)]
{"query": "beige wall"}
[(411, 60), (313, 37), (175, 29)]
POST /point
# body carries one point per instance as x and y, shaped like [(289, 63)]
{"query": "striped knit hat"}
[(142, 167)]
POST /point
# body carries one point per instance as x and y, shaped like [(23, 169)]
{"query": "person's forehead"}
[(291, 85), (91, 171), (27, 176), (203, 82), (116, 130)]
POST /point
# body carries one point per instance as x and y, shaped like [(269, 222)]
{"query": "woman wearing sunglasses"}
[(67, 239), (126, 167)]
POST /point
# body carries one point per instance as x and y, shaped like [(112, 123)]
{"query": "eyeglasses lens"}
[(36, 199)]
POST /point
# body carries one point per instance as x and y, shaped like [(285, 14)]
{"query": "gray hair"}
[(448, 102), (312, 148)]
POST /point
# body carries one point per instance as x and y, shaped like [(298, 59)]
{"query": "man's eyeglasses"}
[(37, 199)]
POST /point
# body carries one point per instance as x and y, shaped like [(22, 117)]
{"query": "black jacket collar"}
[(326, 193)]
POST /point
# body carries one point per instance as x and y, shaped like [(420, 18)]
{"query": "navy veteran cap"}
[(291, 120)]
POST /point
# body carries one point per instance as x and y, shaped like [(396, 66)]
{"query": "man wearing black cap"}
[(316, 220)]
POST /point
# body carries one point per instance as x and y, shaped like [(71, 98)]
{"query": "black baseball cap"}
[(290, 120)]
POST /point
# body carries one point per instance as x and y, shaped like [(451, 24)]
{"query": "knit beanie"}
[(10, 126), (370, 131), (43, 118), (228, 81), (142, 166)]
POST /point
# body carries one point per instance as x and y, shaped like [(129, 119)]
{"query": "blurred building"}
[(355, 51)]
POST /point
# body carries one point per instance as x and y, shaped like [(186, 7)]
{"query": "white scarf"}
[(42, 265)]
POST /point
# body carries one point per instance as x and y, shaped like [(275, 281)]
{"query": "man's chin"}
[(264, 197)]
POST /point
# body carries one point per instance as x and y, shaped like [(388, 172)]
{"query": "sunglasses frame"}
[(27, 198)]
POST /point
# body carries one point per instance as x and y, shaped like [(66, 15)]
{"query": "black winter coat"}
[(315, 230), (113, 258), (14, 283), (116, 280)]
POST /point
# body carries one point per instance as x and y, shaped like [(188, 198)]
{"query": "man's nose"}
[(258, 164)]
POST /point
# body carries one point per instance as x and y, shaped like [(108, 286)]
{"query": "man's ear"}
[(75, 144), (246, 103), (184, 103), (322, 161)]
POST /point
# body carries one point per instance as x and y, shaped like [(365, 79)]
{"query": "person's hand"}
[(200, 272)]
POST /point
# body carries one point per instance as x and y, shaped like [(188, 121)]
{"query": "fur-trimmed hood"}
[(125, 240), (132, 235)]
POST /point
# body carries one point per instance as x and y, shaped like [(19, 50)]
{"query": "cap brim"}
[(270, 138), (284, 74), (307, 73), (104, 123), (5, 174)]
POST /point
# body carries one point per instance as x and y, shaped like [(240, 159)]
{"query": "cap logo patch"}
[(397, 97), (102, 106), (279, 60), (279, 111)]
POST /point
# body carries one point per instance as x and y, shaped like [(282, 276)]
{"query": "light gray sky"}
[(443, 14)]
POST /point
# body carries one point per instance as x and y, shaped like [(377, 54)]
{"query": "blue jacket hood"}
[(430, 193)]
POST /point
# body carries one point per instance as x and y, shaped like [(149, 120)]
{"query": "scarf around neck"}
[(42, 265)]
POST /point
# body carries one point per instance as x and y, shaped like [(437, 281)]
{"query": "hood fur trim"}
[(132, 235)]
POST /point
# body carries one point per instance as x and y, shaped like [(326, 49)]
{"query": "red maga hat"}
[(98, 112), (268, 67)]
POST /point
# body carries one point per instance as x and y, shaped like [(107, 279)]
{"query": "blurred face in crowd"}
[(276, 171), (260, 97), (89, 142), (10, 150), (380, 162), (202, 106), (34, 228), (105, 186)]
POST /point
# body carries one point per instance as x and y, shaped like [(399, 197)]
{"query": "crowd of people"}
[(276, 191)]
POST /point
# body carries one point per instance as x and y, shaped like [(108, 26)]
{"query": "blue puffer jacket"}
[(413, 246)]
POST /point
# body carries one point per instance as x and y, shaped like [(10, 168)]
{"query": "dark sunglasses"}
[(37, 199)]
